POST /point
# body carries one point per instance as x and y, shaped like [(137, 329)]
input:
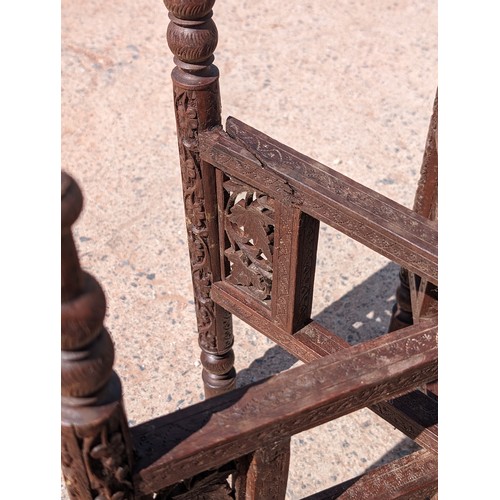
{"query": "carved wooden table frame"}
[(253, 208)]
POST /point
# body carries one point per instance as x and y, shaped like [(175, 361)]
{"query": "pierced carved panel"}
[(249, 230)]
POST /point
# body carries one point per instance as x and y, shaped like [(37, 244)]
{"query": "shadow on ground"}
[(360, 315)]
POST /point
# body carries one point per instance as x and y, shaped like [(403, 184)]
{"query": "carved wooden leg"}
[(96, 447), (192, 37)]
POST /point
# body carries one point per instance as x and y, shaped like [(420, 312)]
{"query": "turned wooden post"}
[(96, 447), (192, 38)]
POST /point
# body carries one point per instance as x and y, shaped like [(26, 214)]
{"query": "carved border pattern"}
[(429, 169), (283, 264), (351, 227), (273, 402), (331, 181), (196, 220), (249, 228)]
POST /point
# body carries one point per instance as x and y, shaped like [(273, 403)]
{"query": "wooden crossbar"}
[(414, 415), (413, 476), (216, 431), (374, 220)]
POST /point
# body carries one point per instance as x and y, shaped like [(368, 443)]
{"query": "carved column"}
[(96, 447), (192, 38)]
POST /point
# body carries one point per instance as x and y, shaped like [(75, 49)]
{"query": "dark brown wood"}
[(416, 298), (269, 250), (296, 244), (412, 477), (390, 229), (192, 38), (426, 196), (208, 485), (252, 209), (221, 429), (95, 445), (247, 217), (239, 304), (313, 342)]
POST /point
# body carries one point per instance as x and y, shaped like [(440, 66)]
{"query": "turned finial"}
[(96, 450), (87, 349), (192, 34), (71, 206), (189, 9)]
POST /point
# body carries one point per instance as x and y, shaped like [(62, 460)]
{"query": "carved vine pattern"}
[(187, 123), (249, 227), (105, 459)]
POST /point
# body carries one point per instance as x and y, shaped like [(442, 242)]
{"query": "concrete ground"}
[(350, 84)]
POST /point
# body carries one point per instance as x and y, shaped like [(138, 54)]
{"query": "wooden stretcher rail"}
[(381, 224), (413, 476), (415, 415), (216, 431)]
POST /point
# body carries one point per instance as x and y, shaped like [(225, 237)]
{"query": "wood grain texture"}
[(313, 342), (296, 243), (232, 425), (264, 473), (416, 297), (413, 477), (381, 224)]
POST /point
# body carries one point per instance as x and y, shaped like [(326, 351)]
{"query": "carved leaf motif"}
[(113, 473), (249, 226), (255, 227)]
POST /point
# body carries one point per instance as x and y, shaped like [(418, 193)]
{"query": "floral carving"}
[(249, 227), (194, 203), (106, 462)]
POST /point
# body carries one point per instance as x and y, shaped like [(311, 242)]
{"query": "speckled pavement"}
[(350, 84)]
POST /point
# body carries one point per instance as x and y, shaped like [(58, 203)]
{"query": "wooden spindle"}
[(192, 38), (96, 447)]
